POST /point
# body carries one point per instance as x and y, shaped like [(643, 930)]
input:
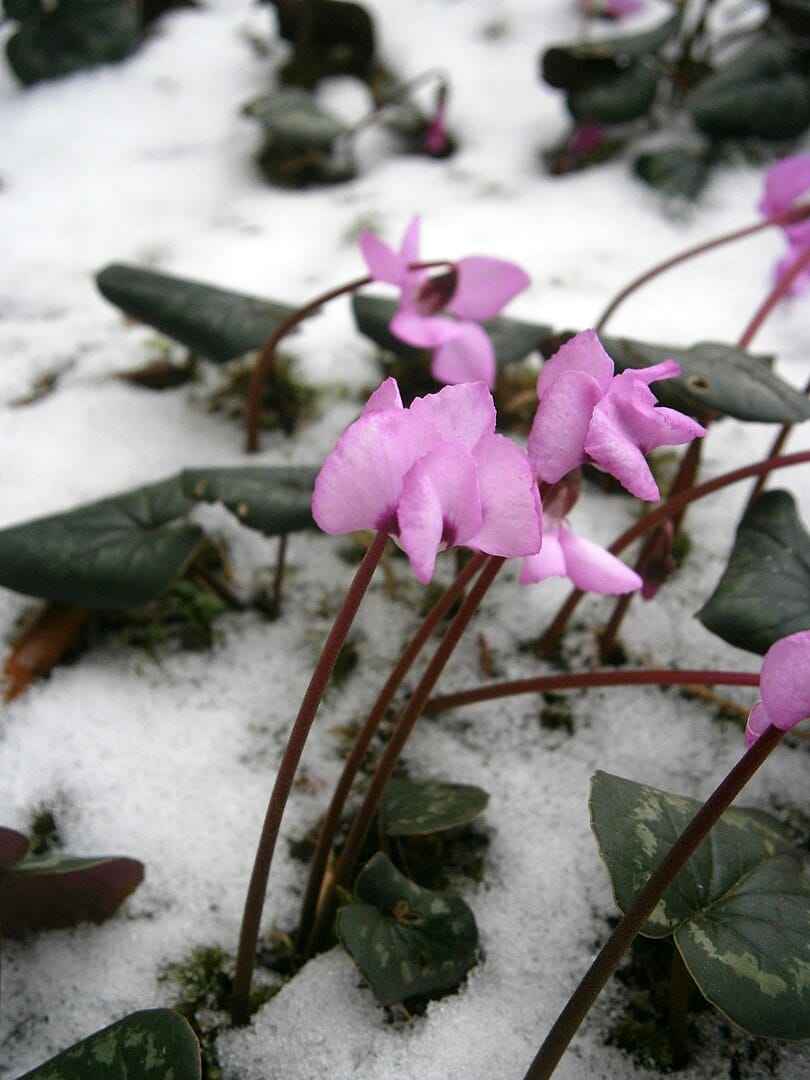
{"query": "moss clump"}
[(43, 831)]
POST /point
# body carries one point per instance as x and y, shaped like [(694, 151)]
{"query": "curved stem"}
[(795, 213), (779, 291), (661, 513), (265, 361), (644, 904), (254, 901), (331, 821), (588, 679), (399, 736), (776, 447)]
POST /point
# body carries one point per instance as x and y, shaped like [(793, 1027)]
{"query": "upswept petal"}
[(426, 332), (465, 412), (785, 183), (485, 286), (548, 562), (635, 408), (409, 248), (383, 263), (557, 440), (784, 682), (801, 283), (440, 505), (510, 502), (361, 481), (608, 447), (386, 396), (467, 357), (593, 569), (584, 353)]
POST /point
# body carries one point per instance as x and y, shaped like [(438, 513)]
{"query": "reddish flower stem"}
[(793, 214), (399, 736), (778, 444), (779, 291), (254, 901), (331, 821), (644, 904), (661, 513), (264, 366), (588, 679)]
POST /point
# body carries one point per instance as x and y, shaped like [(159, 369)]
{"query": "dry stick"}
[(266, 360), (792, 215), (661, 513), (331, 821), (644, 904), (587, 680), (254, 901), (399, 736)]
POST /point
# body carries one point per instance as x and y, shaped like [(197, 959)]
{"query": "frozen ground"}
[(149, 162)]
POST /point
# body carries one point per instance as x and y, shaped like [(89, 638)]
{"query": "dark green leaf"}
[(678, 171), (414, 809), (563, 65), (275, 499), (215, 323), (793, 14), (44, 892), (404, 939), (613, 97), (329, 37), (762, 92), (292, 117), (57, 39), (740, 909), (155, 1044), (120, 552), (764, 593), (511, 339), (721, 378), (13, 845)]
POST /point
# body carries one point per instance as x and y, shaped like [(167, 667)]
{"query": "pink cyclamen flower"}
[(564, 554), (787, 182), (588, 414), (443, 312), (433, 475), (610, 9), (784, 686)]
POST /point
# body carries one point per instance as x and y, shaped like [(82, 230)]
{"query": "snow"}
[(150, 162)]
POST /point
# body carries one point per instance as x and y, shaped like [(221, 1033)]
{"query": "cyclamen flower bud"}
[(784, 685)]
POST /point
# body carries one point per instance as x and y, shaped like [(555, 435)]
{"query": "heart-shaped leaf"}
[(13, 845), (292, 117), (45, 892), (155, 1044), (275, 499), (739, 910), (329, 37), (404, 939), (763, 91), (764, 593), (57, 39), (214, 323), (721, 378), (409, 808), (614, 96), (678, 171), (511, 339), (120, 552)]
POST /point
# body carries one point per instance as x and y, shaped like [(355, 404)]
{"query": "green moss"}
[(285, 400)]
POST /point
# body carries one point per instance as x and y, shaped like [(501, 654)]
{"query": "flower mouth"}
[(436, 292)]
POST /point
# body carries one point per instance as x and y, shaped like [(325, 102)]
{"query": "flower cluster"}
[(443, 312), (433, 475), (784, 686), (787, 183)]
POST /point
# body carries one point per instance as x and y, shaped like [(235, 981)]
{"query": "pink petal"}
[(593, 569), (409, 248), (386, 396), (426, 332), (548, 562), (361, 481), (465, 412), (467, 357), (785, 183), (758, 722), (512, 518), (440, 506), (560, 427), (584, 353), (801, 283), (485, 286), (609, 447), (383, 263), (784, 682)]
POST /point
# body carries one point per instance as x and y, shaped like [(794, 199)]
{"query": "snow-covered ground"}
[(171, 762)]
